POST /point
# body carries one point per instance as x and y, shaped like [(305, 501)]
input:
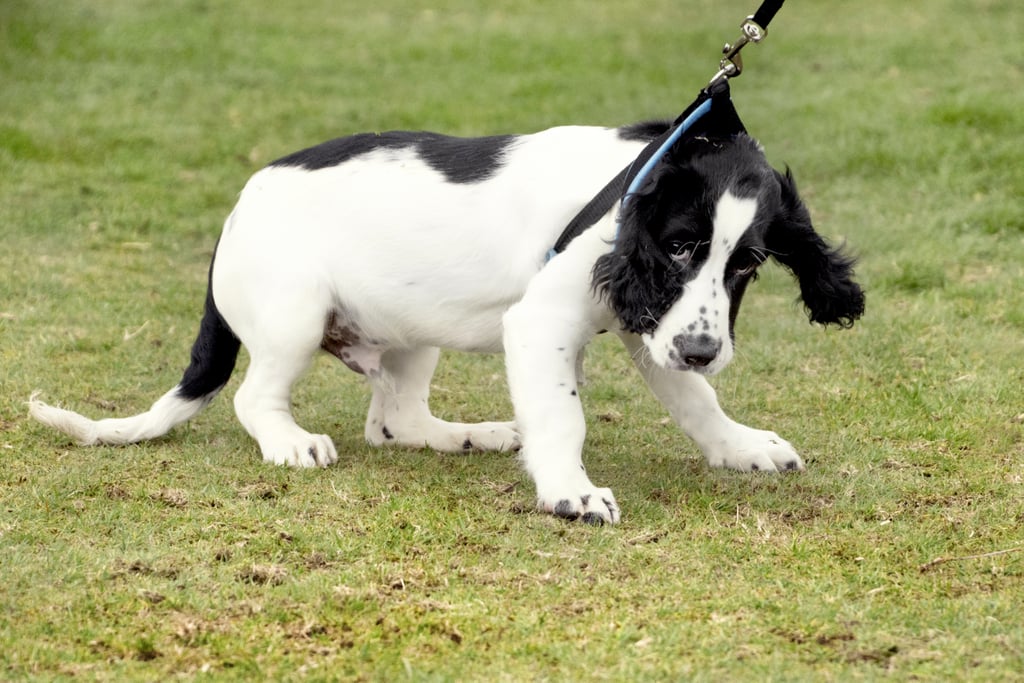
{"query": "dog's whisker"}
[(648, 320), (641, 357), (767, 251)]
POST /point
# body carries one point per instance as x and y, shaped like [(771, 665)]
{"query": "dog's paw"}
[(447, 437), (491, 436), (299, 449), (590, 505), (755, 450)]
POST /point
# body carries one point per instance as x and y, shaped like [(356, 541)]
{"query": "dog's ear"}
[(825, 273), (637, 278)]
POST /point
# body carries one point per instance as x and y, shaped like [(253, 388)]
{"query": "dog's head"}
[(692, 238)]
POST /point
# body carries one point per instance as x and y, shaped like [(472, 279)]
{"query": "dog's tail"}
[(213, 359)]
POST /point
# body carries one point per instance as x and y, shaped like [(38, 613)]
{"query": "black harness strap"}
[(601, 204)]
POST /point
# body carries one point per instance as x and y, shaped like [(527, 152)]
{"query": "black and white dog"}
[(382, 249)]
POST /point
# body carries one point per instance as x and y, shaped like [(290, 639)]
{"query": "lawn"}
[(127, 127)]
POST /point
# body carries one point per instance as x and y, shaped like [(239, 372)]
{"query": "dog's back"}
[(424, 238)]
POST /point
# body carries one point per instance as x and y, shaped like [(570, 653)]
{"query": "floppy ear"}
[(637, 278), (825, 273)]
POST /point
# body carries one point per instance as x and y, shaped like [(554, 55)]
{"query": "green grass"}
[(126, 130)]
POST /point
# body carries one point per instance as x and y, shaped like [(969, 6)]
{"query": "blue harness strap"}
[(645, 170)]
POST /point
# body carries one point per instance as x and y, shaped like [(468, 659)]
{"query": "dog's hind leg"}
[(263, 403), (399, 413), (263, 407)]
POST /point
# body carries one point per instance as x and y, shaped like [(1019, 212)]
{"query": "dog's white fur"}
[(409, 263)]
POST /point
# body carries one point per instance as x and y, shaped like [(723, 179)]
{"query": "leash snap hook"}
[(731, 64)]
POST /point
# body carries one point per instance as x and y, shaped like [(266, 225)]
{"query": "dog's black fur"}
[(461, 160), (672, 211), (825, 273)]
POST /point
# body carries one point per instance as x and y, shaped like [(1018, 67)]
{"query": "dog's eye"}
[(744, 265), (681, 252), (682, 256)]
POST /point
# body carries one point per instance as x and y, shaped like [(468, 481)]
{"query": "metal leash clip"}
[(732, 64)]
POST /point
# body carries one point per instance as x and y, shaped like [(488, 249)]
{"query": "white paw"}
[(299, 448), (587, 503), (447, 437), (754, 450), (491, 436)]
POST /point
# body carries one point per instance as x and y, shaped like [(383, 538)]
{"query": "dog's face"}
[(692, 239)]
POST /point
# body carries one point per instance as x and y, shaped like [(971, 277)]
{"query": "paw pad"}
[(564, 509)]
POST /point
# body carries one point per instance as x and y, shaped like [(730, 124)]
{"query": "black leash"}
[(717, 118), (753, 30)]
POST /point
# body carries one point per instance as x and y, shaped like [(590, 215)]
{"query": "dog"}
[(381, 249)]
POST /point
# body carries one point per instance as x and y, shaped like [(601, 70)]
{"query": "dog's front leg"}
[(540, 354), (694, 406)]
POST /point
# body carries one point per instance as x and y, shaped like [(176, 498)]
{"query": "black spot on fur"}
[(593, 519), (464, 160), (461, 160), (340, 150), (387, 433), (572, 393), (467, 445), (565, 510), (644, 131)]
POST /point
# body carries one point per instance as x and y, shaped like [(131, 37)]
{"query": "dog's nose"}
[(696, 350)]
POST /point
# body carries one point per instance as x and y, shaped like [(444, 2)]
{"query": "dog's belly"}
[(418, 319)]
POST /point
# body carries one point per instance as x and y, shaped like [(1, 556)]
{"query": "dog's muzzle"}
[(693, 351)]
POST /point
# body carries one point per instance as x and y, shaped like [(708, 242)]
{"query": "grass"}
[(126, 130)]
